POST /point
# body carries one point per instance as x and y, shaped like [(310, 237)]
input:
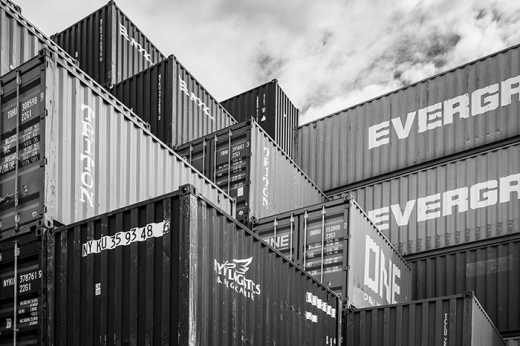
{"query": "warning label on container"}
[(134, 235)]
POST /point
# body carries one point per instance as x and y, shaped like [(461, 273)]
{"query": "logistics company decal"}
[(88, 135), (133, 43), (183, 87), (479, 102), (232, 274)]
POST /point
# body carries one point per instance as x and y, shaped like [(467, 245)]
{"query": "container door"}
[(232, 155), (21, 153), (323, 245), (20, 256)]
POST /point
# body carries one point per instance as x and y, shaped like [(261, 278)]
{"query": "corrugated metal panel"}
[(462, 109), (29, 266), (194, 265), (464, 200), (96, 156), (451, 321), (244, 161), (18, 42), (108, 45), (515, 341), (272, 109), (336, 243), (490, 268), (177, 107)]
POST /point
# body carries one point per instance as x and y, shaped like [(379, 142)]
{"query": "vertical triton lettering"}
[(381, 273), (87, 155)]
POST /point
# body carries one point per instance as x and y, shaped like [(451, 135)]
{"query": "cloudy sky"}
[(327, 54)]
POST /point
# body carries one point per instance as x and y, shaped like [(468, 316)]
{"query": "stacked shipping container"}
[(69, 153), (269, 106), (337, 244), (246, 163), (108, 45), (177, 107), (170, 271)]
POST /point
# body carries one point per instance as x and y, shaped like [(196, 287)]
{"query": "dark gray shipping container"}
[(490, 268), (177, 107), (246, 163), (108, 45), (468, 199), (456, 111), (170, 271), (448, 321), (272, 109), (515, 341), (337, 244), (69, 150)]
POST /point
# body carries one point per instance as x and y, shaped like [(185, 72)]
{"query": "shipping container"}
[(270, 106), (490, 268), (246, 163), (515, 341), (456, 111), (464, 200), (108, 45), (177, 107), (174, 270), (337, 244), (448, 321), (79, 153)]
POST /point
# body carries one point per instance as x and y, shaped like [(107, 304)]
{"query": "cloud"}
[(327, 55)]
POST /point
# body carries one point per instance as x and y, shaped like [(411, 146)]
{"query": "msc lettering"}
[(440, 114), (462, 199)]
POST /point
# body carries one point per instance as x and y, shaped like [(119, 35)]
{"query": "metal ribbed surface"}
[(512, 341), (18, 41), (165, 289), (335, 151), (451, 321), (336, 243), (83, 156), (245, 162), (108, 46), (464, 200), (177, 107), (490, 268), (271, 108)]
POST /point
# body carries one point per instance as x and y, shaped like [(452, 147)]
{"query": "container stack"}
[(136, 209), (106, 233), (436, 165)]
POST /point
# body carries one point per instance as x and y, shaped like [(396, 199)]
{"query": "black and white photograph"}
[(238, 172)]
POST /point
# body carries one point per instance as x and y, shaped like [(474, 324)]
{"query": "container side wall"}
[(108, 45), (490, 268), (514, 341), (18, 41), (377, 273), (277, 183), (484, 332), (398, 130), (177, 107), (99, 160), (243, 286), (441, 321), (473, 198)]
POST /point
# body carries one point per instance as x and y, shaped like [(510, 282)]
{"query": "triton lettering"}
[(86, 189), (232, 274), (465, 106), (133, 43), (460, 200)]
